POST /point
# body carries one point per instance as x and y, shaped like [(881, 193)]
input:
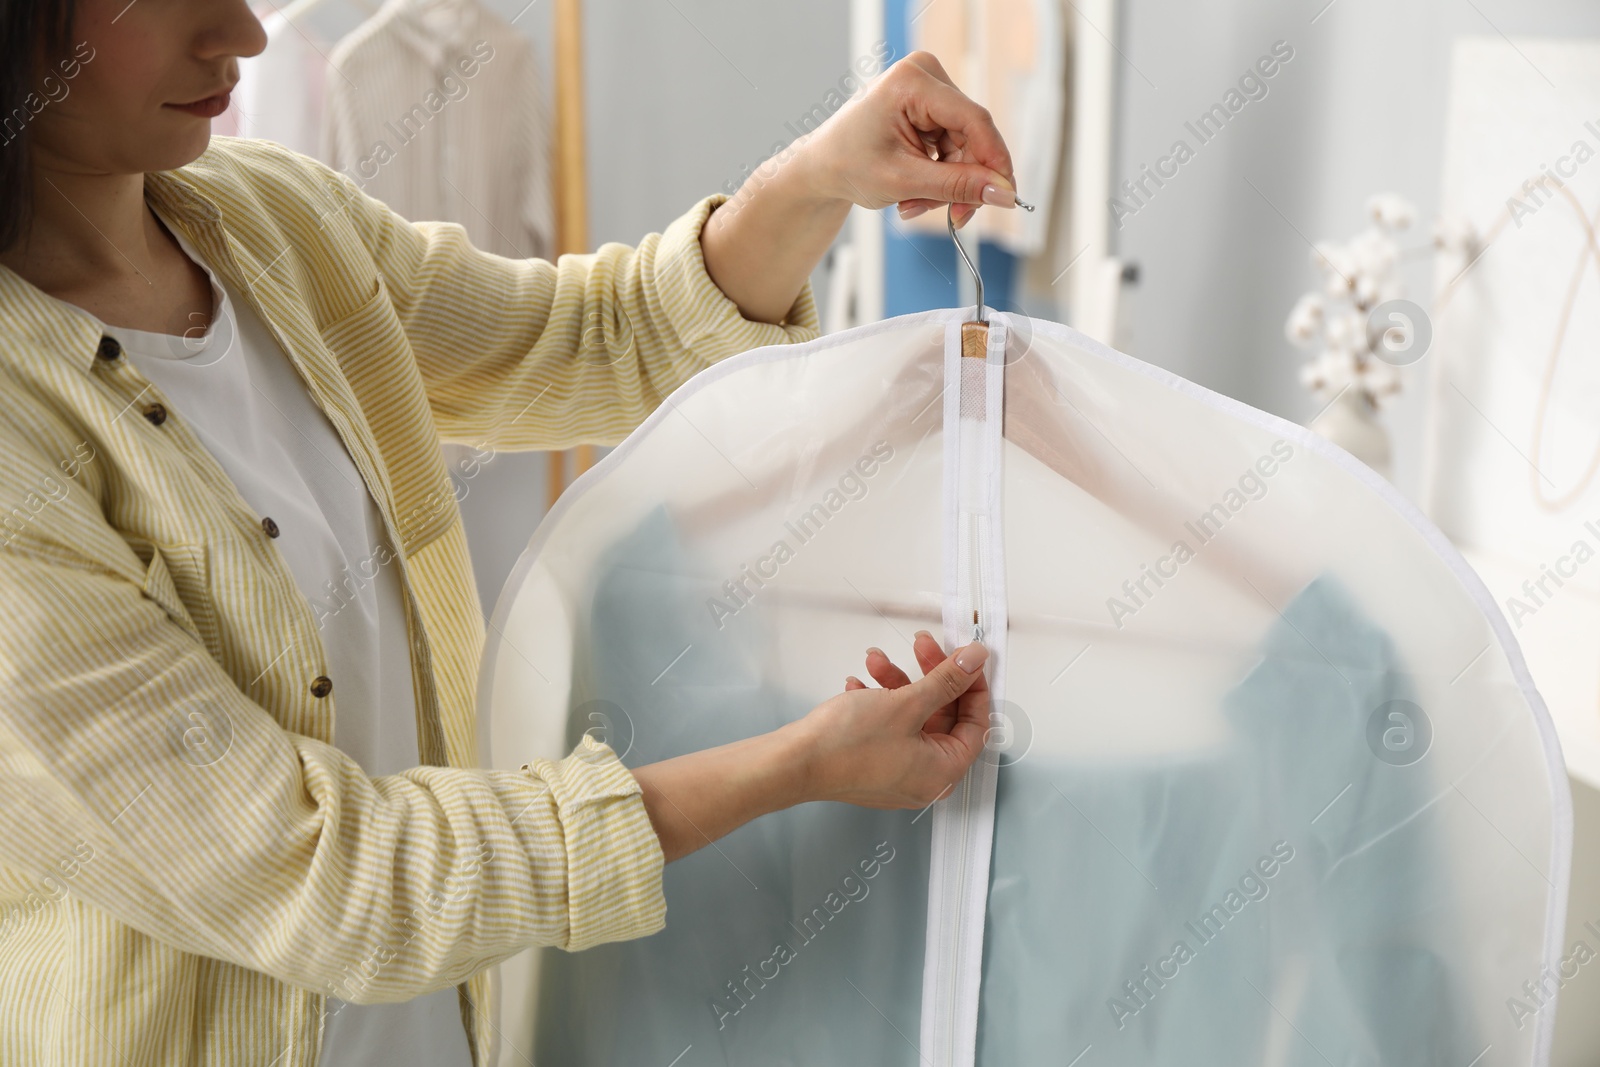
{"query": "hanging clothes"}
[(1267, 780), (1042, 271), (281, 94), (1011, 57), (438, 110)]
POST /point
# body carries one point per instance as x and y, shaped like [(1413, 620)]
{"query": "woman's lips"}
[(209, 108)]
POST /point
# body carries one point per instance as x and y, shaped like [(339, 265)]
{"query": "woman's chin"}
[(176, 148)]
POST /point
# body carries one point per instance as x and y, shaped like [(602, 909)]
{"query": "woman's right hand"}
[(904, 745)]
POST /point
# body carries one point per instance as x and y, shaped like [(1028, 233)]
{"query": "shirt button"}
[(156, 413), (321, 686), (271, 527), (109, 348)]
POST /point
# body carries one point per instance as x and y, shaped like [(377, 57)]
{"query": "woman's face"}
[(115, 103)]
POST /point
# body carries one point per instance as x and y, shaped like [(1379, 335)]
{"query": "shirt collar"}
[(422, 35), (35, 316)]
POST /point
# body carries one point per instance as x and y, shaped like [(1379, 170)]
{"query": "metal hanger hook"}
[(977, 279), (950, 220)]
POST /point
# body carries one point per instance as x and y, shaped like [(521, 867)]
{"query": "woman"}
[(227, 372)]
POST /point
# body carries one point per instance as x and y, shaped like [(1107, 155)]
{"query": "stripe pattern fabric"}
[(190, 866), (439, 111)]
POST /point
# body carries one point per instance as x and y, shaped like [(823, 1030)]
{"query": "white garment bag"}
[(1268, 782)]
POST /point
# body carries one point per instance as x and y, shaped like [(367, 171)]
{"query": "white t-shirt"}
[(235, 387)]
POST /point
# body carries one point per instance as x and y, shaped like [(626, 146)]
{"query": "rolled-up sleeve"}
[(529, 354), (614, 856)]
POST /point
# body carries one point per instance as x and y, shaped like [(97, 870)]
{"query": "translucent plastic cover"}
[(1268, 784)]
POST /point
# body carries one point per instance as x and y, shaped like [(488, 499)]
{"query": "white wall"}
[(1358, 110)]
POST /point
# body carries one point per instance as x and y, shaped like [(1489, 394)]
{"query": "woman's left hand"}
[(912, 139), (880, 147)]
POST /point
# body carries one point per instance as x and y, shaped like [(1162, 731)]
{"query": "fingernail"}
[(874, 648), (995, 196), (972, 657), (921, 633), (907, 214)]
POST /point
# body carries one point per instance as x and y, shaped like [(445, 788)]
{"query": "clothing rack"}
[(571, 188)]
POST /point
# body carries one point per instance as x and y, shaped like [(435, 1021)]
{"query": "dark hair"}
[(29, 29)]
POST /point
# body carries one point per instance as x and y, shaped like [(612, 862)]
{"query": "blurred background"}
[(1380, 222)]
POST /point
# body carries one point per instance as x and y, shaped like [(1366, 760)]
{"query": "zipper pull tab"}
[(977, 631)]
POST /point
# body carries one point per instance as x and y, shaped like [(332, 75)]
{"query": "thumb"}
[(946, 682), (958, 183)]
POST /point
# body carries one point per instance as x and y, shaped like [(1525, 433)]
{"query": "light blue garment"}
[(730, 905), (1097, 868), (1101, 871)]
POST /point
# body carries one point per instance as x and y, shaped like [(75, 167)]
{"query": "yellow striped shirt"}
[(188, 865)]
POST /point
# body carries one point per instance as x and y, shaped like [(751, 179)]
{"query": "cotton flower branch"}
[(1357, 276)]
